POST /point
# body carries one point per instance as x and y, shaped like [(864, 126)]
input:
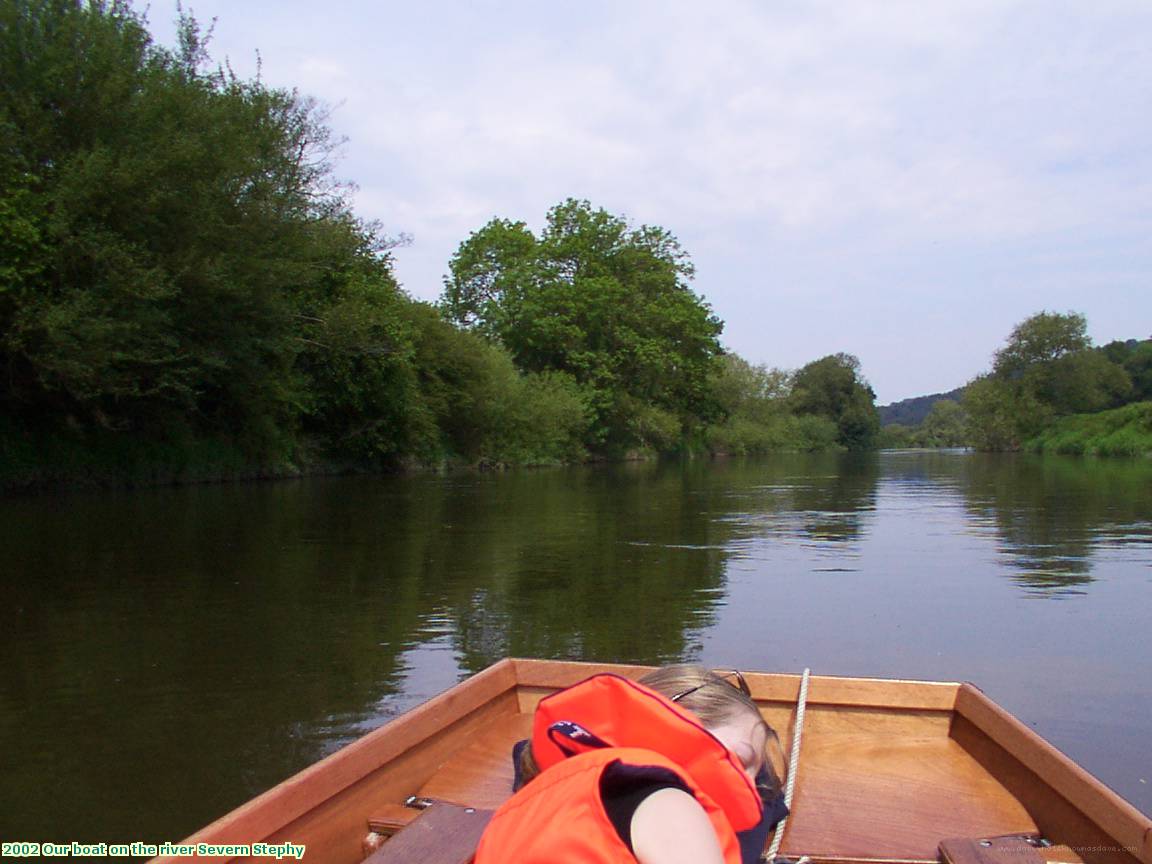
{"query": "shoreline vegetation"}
[(1049, 391), (187, 295), (1124, 432)]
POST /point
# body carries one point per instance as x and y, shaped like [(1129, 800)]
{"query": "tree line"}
[(183, 280), (1047, 373)]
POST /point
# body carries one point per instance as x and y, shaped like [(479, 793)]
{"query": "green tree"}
[(1041, 338), (757, 393), (895, 436), (1046, 370), (602, 302), (832, 387), (945, 426), (173, 229), (1082, 382), (1136, 359), (179, 259), (996, 417)]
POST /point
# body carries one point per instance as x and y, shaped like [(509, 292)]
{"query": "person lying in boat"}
[(672, 768)]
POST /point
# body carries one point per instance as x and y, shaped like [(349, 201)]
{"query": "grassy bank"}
[(1123, 431)]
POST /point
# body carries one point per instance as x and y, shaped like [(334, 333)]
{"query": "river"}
[(169, 653)]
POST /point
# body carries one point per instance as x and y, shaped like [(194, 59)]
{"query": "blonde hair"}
[(712, 698)]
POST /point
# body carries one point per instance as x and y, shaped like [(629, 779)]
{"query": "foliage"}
[(185, 292), (945, 426), (364, 401), (896, 436), (833, 388), (1042, 338), (758, 413), (600, 301), (178, 264), (739, 436), (1136, 359), (1123, 431), (1047, 370), (755, 392), (171, 225)]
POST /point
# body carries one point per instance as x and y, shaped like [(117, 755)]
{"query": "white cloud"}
[(840, 170)]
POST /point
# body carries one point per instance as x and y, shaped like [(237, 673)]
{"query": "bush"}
[(1123, 431)]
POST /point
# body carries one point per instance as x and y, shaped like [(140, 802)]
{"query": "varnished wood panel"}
[(1127, 826), (537, 677), (873, 795), (335, 829), (481, 774), (897, 724), (1057, 818), (443, 834), (390, 818), (860, 692)]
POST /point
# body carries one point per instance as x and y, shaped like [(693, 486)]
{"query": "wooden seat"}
[(481, 773), (390, 818), (443, 834)]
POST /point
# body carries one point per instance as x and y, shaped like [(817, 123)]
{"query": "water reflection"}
[(170, 653), (824, 501), (1052, 515)]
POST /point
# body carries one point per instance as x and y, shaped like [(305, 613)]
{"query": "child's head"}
[(722, 707), (725, 710)]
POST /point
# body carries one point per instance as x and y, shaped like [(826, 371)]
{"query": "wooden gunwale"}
[(310, 789), (1130, 828), (319, 796), (769, 687)]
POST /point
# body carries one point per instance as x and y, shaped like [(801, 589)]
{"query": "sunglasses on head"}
[(740, 684)]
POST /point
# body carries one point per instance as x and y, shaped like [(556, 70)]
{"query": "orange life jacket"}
[(576, 733)]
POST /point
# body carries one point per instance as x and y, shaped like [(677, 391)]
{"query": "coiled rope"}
[(793, 765)]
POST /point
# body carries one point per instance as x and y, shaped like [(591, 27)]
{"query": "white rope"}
[(793, 765)]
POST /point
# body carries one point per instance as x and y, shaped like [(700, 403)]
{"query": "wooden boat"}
[(888, 770)]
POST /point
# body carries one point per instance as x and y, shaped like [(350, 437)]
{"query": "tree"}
[(1046, 370), (178, 258), (174, 230), (1042, 338), (756, 393), (1136, 359), (832, 387), (600, 301), (996, 418), (895, 436), (945, 426)]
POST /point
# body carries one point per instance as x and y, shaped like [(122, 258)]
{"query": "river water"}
[(169, 653)]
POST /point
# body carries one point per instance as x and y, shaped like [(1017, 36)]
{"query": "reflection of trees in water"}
[(208, 630), (1051, 513), (612, 564), (826, 498), (234, 634)]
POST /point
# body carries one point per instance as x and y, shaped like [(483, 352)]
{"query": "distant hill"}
[(911, 412)]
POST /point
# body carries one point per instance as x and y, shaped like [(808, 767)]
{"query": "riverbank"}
[(41, 463), (1123, 431), (33, 461)]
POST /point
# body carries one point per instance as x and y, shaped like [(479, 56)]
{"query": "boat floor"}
[(870, 786)]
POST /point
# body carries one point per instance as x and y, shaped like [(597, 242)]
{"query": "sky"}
[(897, 179)]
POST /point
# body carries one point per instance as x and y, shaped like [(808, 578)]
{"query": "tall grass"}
[(1122, 432)]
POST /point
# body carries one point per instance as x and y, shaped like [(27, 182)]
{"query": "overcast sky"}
[(903, 180)]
